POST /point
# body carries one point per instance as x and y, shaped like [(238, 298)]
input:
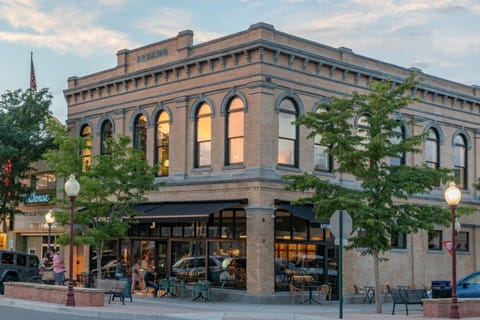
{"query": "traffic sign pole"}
[(340, 267)]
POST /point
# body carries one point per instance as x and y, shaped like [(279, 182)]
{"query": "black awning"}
[(182, 211), (304, 212)]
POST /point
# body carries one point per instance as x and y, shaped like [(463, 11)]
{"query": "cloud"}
[(168, 22), (60, 28)]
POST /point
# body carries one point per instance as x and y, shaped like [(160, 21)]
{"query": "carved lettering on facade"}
[(152, 55)]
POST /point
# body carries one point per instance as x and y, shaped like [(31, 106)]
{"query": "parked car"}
[(469, 286), (18, 266)]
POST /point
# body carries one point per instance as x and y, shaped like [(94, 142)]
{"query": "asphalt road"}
[(27, 314)]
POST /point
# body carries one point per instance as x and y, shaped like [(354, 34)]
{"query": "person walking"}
[(46, 269), (58, 269)]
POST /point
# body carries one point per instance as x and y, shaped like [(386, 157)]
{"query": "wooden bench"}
[(407, 296), (115, 288)]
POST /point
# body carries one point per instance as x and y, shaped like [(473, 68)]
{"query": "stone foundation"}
[(440, 308), (84, 297)]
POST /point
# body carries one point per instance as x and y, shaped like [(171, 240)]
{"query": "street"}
[(29, 314)]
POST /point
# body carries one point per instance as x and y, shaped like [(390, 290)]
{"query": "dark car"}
[(18, 266)]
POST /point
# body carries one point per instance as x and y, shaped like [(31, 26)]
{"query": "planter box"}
[(440, 308), (84, 297)]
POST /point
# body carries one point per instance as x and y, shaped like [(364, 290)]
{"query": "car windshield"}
[(473, 280)]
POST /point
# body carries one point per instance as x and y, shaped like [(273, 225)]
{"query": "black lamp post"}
[(72, 187), (453, 195), (50, 219)]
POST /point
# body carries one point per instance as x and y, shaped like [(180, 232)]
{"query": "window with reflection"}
[(399, 241), (362, 131), (203, 136), (432, 149), (140, 135), (228, 224), (287, 134), (322, 159), (460, 161), (235, 131), (398, 136), (462, 241), (162, 141), (86, 152), (435, 240), (106, 132)]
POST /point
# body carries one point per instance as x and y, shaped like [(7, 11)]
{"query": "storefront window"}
[(233, 272)]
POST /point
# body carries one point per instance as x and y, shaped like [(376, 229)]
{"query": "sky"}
[(77, 38)]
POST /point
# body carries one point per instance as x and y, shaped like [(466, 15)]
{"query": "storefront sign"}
[(36, 198)]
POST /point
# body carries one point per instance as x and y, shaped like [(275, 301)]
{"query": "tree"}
[(380, 207), (23, 117), (115, 181)]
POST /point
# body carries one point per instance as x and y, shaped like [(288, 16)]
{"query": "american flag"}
[(33, 81)]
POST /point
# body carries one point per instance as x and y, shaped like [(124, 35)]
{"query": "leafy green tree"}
[(379, 208), (23, 117), (116, 180)]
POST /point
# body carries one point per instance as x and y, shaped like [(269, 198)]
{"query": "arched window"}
[(398, 135), (432, 149), (140, 135), (235, 132), (203, 136), (322, 159), (287, 134), (85, 133), (162, 142), (362, 131), (105, 134), (460, 160)]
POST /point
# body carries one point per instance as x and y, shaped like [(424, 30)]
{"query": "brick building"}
[(217, 117)]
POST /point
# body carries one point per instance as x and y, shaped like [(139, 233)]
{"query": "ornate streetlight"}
[(453, 195), (72, 187), (50, 219)]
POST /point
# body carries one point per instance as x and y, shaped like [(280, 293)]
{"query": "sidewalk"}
[(185, 309)]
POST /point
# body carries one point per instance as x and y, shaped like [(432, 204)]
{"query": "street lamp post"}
[(72, 187), (453, 195), (50, 219)]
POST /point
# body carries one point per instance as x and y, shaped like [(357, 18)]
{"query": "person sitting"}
[(119, 270), (149, 279)]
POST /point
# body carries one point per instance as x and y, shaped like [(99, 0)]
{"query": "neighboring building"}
[(218, 118)]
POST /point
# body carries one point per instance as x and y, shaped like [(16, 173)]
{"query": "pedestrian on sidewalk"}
[(58, 269)]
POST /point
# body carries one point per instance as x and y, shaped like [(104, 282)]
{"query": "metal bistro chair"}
[(198, 292), (296, 294), (181, 288), (164, 287), (325, 291)]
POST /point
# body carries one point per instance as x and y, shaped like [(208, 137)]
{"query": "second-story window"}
[(460, 161), (362, 131), (287, 134), (105, 134), (432, 149), (235, 132), (322, 159), (397, 137), (203, 136), (162, 141), (85, 133), (140, 135)]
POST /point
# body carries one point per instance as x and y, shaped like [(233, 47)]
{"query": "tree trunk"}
[(99, 262), (376, 271)]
